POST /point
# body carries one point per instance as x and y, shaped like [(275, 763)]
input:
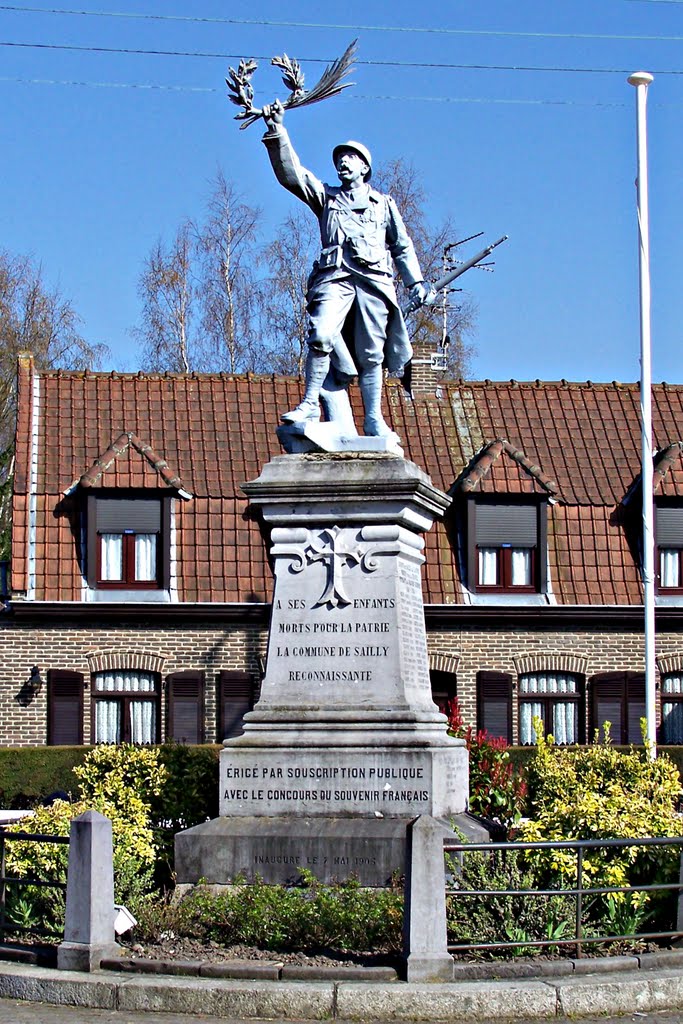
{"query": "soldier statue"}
[(355, 323)]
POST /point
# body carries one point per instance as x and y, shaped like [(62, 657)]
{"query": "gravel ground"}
[(173, 948)]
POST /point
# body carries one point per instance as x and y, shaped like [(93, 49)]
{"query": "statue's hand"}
[(273, 114), (417, 294)]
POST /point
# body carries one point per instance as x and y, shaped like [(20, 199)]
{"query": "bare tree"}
[(228, 255), (199, 293), (400, 180), (168, 292), (289, 258), (35, 318)]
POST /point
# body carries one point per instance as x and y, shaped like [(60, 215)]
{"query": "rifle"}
[(444, 281)]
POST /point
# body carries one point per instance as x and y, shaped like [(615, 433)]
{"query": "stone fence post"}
[(425, 946), (89, 927)]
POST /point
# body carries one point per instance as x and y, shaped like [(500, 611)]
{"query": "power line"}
[(108, 85), (422, 29), (320, 60), (353, 96)]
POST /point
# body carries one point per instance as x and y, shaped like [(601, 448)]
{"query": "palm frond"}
[(331, 82)]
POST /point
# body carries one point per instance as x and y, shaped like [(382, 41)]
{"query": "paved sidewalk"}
[(580, 995)]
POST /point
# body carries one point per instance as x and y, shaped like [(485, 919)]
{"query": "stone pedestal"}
[(346, 728)]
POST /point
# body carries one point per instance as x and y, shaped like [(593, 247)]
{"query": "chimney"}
[(427, 369)]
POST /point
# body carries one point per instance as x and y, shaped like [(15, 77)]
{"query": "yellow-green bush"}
[(598, 792), (119, 782)]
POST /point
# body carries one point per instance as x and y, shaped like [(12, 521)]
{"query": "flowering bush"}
[(497, 790)]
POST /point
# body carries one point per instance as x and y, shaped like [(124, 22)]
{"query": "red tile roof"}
[(578, 444)]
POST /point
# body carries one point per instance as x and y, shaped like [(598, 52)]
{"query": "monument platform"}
[(345, 745)]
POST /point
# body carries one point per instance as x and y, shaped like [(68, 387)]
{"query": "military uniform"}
[(351, 284)]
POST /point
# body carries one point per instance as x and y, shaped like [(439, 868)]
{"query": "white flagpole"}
[(641, 80)]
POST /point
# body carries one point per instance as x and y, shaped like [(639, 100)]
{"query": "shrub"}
[(190, 792), (497, 788), (505, 918), (27, 774), (119, 782), (189, 796), (598, 792), (311, 916)]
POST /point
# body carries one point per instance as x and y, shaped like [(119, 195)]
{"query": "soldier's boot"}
[(371, 381), (317, 366), (334, 398)]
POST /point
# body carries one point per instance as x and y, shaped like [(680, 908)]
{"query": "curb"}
[(626, 990)]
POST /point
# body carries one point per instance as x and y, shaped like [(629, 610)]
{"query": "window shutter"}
[(498, 524), (494, 704), (117, 514), (185, 695), (635, 707), (669, 526), (65, 708), (236, 697), (608, 695)]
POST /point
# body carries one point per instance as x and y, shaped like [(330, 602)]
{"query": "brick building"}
[(140, 583)]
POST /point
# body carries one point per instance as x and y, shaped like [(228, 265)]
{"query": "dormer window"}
[(127, 542), (505, 546), (669, 532)]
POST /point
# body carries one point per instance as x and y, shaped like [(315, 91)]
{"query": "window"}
[(619, 698), (494, 704), (65, 708), (670, 576), (125, 707), (236, 696), (128, 542), (554, 697), (672, 708), (669, 531), (507, 552), (505, 568), (185, 696)]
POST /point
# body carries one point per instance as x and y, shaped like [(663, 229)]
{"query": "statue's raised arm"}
[(286, 163)]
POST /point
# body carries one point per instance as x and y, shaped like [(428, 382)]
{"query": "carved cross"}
[(329, 547)]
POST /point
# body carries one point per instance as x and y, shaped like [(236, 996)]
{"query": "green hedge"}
[(27, 774)]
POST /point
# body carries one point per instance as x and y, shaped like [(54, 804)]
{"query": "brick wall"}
[(460, 651), (522, 650), (210, 650)]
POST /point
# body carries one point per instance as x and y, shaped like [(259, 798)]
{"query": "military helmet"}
[(355, 147)]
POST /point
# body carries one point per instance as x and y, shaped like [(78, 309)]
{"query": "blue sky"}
[(93, 173)]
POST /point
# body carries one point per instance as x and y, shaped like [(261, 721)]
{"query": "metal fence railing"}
[(7, 883), (579, 891)]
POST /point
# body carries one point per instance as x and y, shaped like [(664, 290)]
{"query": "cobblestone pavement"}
[(12, 1012)]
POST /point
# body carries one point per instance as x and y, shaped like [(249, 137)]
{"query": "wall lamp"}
[(34, 683), (30, 688)]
